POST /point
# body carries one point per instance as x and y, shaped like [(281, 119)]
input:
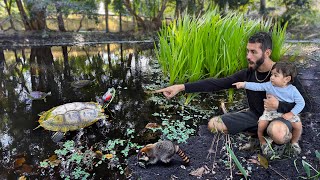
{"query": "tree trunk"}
[(163, 7), (177, 12), (43, 58), (133, 18), (24, 16), (38, 19), (2, 59), (80, 26), (140, 21), (66, 61), (8, 8), (61, 25), (262, 6), (155, 23), (106, 10), (120, 21)]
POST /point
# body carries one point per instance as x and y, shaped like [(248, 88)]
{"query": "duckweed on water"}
[(177, 131), (76, 161)]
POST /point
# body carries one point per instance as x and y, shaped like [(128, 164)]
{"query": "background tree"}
[(7, 6), (118, 8), (34, 13), (59, 6), (262, 6), (106, 10), (145, 6)]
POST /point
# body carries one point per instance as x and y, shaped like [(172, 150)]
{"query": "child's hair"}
[(286, 68)]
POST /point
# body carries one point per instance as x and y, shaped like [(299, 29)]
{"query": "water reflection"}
[(53, 69)]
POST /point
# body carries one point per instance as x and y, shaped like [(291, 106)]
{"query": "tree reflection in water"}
[(53, 69)]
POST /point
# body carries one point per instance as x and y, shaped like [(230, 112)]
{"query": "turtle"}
[(38, 95), (71, 116), (81, 83)]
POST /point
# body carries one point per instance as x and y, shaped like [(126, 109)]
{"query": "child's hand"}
[(288, 115), (239, 84)]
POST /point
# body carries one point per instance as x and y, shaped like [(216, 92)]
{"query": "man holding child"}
[(259, 48)]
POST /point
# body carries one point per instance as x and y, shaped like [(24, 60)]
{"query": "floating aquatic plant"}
[(177, 131)]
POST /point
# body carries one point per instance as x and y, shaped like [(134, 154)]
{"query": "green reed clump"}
[(311, 171), (192, 48)]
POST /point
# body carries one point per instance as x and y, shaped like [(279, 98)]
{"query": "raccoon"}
[(162, 150)]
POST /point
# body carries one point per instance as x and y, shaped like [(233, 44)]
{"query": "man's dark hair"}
[(264, 38), (286, 68)]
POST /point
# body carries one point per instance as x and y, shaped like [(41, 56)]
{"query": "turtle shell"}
[(71, 116)]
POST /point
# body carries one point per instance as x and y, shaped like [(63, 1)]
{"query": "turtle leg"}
[(57, 136)]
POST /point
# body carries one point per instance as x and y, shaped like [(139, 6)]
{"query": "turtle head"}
[(99, 100)]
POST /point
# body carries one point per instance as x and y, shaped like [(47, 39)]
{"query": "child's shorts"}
[(270, 115)]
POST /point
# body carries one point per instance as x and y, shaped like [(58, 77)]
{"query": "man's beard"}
[(258, 63)]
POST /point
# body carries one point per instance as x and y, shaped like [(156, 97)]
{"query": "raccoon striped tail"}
[(184, 157)]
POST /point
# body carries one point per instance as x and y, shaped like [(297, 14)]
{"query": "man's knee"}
[(216, 124), (279, 132)]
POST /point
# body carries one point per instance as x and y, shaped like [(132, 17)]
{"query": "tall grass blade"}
[(306, 167), (317, 154), (235, 159)]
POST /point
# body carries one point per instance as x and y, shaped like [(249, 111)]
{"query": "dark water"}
[(130, 68)]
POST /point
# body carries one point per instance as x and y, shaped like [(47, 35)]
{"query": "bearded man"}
[(259, 48)]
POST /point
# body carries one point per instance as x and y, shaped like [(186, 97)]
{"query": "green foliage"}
[(76, 158), (73, 156), (44, 164), (176, 130), (118, 6), (147, 8), (307, 167), (302, 12), (68, 146), (278, 39), (78, 173), (193, 48), (77, 161), (210, 46)]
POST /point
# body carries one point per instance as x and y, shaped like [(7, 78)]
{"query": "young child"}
[(282, 75)]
